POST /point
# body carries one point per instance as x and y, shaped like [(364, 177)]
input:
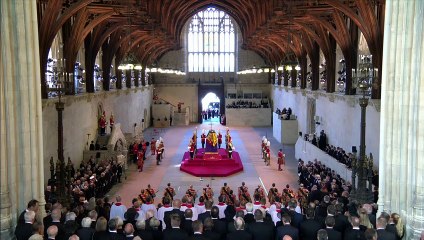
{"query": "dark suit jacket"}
[(187, 226), (239, 235), (85, 233), (249, 218), (333, 234), (287, 230), (392, 228), (342, 223), (308, 229), (220, 227), (167, 217), (60, 227), (115, 236), (204, 215), (354, 234), (261, 230), (174, 234), (385, 235), (21, 219), (296, 219), (157, 234), (211, 235), (198, 237), (145, 235), (100, 235), (23, 231)]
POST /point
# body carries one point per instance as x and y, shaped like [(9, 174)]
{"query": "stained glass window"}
[(211, 42)]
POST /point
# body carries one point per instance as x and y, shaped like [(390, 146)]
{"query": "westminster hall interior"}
[(104, 98)]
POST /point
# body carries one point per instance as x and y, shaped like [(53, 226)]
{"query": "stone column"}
[(402, 115), (22, 172)]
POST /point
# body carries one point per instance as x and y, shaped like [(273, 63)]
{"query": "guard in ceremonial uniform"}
[(153, 146), (144, 148), (268, 153), (169, 192), (272, 194), (287, 194), (208, 193), (102, 124), (302, 196), (230, 148), (219, 139), (243, 194), (281, 160), (135, 151), (191, 149), (225, 191), (150, 192), (260, 191), (263, 147), (142, 196), (191, 194), (203, 138), (158, 152), (140, 161), (227, 138), (161, 148)]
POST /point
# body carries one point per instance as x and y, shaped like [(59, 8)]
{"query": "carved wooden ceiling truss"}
[(265, 27)]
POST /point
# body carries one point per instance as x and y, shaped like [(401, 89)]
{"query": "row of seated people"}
[(90, 180), (285, 113), (325, 220), (247, 104)]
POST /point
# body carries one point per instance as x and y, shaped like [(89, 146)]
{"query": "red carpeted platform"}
[(211, 164)]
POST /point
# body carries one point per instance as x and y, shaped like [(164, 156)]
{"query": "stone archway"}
[(203, 89)]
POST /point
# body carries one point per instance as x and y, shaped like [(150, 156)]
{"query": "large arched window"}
[(211, 42)]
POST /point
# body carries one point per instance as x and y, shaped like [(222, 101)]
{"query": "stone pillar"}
[(21, 144), (402, 114)]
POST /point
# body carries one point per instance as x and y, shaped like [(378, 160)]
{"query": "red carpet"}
[(211, 164)]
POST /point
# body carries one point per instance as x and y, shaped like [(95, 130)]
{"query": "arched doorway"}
[(210, 107)]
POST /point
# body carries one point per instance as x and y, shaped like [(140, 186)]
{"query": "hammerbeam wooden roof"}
[(156, 26)]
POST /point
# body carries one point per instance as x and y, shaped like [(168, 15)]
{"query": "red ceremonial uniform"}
[(140, 161), (219, 140), (153, 147), (280, 160)]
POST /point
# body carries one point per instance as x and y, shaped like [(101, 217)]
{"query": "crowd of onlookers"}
[(320, 209), (247, 104), (285, 113)]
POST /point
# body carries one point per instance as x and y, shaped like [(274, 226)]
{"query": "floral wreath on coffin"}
[(212, 138)]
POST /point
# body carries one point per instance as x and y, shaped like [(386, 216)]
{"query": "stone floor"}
[(247, 142)]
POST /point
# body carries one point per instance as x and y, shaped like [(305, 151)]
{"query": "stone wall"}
[(80, 118), (340, 117)]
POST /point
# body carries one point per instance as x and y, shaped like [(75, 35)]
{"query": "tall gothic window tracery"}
[(211, 42)]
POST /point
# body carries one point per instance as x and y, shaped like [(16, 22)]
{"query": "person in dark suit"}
[(156, 232), (322, 234), (309, 228), (296, 218), (240, 233), (198, 231), (219, 225), (329, 225), (113, 231), (208, 207), (389, 227), (129, 231), (249, 217), (142, 232), (208, 230), (56, 217), (85, 232), (286, 229), (355, 232), (175, 232), (24, 230), (371, 234), (188, 223), (176, 204), (31, 206), (341, 221), (261, 230), (382, 233), (52, 232)]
